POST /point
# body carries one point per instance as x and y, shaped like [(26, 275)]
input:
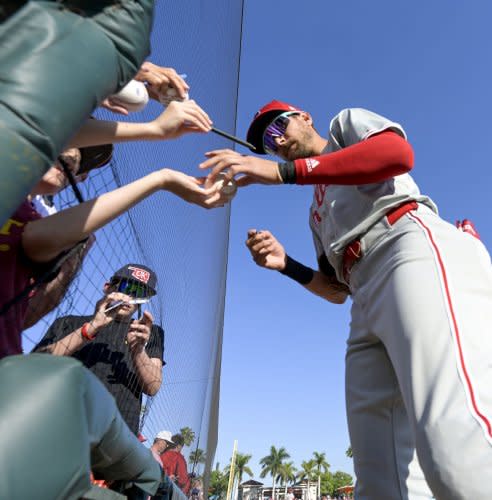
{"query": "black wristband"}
[(288, 172), (297, 271)]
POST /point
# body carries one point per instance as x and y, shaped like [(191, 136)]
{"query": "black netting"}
[(185, 245)]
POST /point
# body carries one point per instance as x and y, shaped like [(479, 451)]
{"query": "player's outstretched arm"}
[(267, 252), (254, 170), (375, 159), (177, 119), (44, 239)]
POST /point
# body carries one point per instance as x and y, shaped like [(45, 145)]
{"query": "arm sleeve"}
[(365, 148), (376, 159)]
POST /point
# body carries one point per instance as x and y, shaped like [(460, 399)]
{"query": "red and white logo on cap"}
[(140, 274)]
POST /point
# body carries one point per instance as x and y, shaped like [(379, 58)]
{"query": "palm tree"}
[(349, 452), (197, 457), (308, 473), (271, 465), (188, 435), (241, 466), (287, 473), (319, 460)]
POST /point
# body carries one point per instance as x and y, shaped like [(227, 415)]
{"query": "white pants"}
[(419, 363)]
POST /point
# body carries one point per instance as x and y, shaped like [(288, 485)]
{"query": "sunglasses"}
[(276, 129), (131, 288)]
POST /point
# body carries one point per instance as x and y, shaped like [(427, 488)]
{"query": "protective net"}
[(184, 245)]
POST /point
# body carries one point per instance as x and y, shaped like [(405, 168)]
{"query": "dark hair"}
[(178, 440)]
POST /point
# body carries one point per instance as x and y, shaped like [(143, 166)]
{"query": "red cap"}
[(262, 119)]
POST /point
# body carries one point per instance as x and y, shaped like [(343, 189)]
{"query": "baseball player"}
[(418, 357)]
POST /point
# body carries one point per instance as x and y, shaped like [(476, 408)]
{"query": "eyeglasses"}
[(276, 129), (131, 288)]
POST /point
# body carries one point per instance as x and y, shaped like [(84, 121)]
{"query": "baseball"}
[(229, 190), (133, 96)]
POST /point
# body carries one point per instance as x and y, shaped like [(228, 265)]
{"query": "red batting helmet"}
[(262, 119)]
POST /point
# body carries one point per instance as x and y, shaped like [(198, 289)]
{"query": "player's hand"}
[(188, 188), (254, 170), (180, 118), (265, 249), (105, 312), (160, 79), (139, 332)]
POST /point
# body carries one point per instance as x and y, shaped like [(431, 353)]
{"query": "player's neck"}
[(319, 145)]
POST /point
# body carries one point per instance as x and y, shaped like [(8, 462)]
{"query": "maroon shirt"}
[(174, 465), (16, 272)]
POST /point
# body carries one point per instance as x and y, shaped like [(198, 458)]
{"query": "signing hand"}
[(104, 312), (139, 332), (255, 170), (265, 249), (180, 118), (160, 79)]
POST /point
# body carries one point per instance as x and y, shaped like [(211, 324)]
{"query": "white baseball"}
[(133, 96), (228, 190)]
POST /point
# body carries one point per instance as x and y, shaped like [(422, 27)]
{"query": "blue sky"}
[(422, 64)]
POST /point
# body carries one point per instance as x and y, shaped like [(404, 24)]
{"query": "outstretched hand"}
[(180, 118), (189, 188), (255, 170), (266, 250), (160, 79)]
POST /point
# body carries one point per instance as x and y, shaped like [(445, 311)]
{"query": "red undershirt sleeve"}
[(376, 159)]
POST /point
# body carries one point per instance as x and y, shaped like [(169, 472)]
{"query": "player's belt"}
[(353, 251)]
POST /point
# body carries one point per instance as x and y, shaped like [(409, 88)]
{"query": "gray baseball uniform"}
[(418, 356)]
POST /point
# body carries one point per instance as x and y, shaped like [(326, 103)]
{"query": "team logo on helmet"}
[(140, 274)]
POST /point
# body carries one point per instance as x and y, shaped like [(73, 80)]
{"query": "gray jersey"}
[(340, 214)]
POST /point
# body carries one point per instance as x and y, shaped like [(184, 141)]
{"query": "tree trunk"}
[(239, 479)]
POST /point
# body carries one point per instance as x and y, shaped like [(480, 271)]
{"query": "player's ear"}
[(107, 287)]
